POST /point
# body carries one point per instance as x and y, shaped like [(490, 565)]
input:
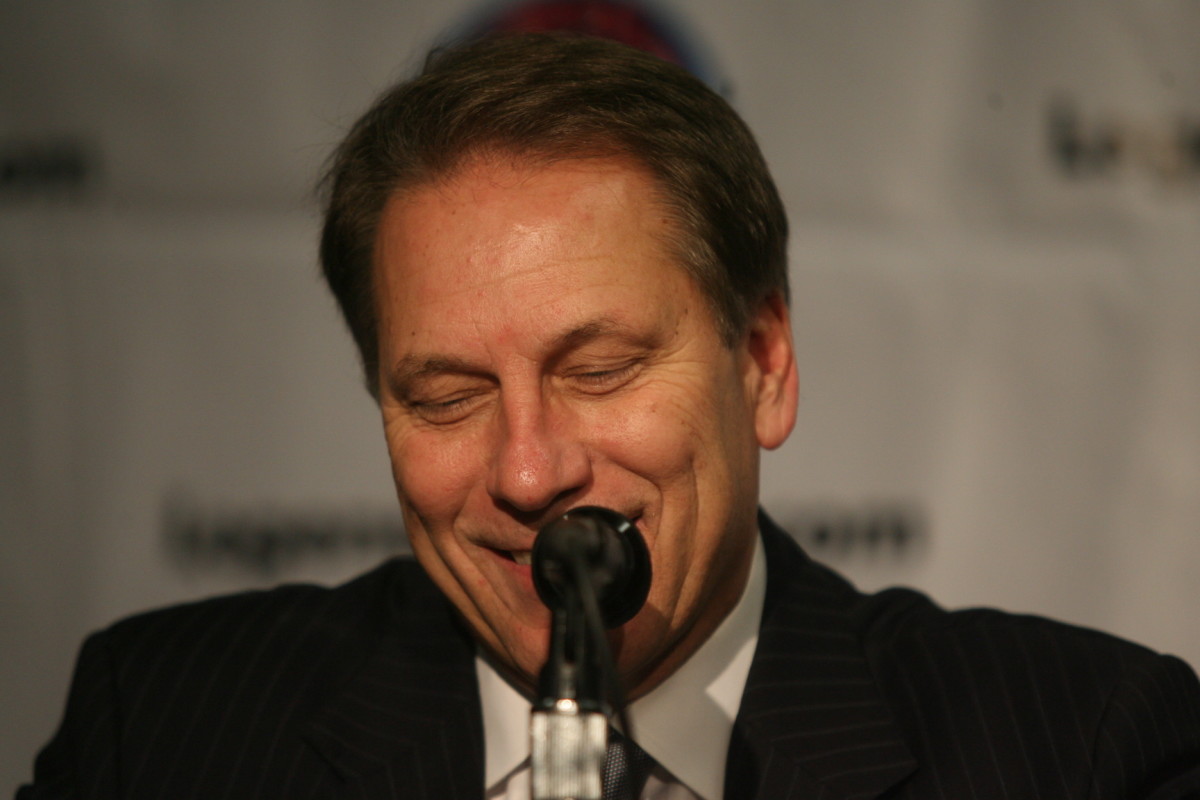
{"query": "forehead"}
[(497, 227), (541, 190)]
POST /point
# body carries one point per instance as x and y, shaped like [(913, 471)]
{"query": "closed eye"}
[(599, 381), (446, 411)]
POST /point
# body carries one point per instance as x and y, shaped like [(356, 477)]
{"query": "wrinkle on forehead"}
[(495, 247), (476, 184)]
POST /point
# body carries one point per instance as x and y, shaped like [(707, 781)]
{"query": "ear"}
[(772, 382)]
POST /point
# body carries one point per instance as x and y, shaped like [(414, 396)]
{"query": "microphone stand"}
[(569, 724), (588, 551)]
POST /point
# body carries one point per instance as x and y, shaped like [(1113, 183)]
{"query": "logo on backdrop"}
[(1092, 143), (851, 532), (641, 24), (49, 166), (267, 541)]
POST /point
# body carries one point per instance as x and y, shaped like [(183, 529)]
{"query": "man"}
[(563, 262)]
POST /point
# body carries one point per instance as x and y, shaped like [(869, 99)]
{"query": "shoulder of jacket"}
[(290, 621)]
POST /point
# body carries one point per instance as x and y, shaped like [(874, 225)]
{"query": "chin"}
[(520, 654)]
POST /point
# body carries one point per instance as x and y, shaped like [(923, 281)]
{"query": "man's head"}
[(546, 98), (556, 308)]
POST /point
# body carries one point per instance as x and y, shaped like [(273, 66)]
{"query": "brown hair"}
[(548, 97)]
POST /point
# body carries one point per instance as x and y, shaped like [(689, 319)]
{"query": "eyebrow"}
[(414, 367), (584, 333)]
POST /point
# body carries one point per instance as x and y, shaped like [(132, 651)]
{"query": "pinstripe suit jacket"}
[(368, 691)]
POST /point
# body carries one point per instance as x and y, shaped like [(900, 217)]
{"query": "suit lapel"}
[(812, 723), (407, 724)]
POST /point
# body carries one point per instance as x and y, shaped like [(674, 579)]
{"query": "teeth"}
[(522, 557)]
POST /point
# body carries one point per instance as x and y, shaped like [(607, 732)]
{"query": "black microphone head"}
[(615, 554)]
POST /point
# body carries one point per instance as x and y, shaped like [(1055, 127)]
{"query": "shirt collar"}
[(701, 698)]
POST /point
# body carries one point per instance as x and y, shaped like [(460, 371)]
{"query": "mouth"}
[(524, 558)]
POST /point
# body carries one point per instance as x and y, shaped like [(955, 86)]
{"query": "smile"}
[(524, 558)]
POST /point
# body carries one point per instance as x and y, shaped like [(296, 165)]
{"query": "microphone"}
[(592, 570), (613, 552)]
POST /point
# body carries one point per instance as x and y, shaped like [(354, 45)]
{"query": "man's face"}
[(542, 350)]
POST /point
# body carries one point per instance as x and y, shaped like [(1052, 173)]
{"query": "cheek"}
[(647, 436), (434, 474), (672, 427)]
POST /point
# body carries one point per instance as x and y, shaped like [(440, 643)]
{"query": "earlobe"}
[(775, 390)]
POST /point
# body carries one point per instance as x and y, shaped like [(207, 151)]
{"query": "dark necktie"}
[(626, 767)]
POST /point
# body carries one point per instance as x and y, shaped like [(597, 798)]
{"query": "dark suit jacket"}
[(368, 691)]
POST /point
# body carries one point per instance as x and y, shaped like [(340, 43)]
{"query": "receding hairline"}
[(676, 238)]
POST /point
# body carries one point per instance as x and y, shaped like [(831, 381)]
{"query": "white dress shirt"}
[(684, 723)]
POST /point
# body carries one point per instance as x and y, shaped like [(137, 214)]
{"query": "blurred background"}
[(996, 277)]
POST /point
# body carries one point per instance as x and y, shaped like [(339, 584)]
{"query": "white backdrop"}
[(996, 213)]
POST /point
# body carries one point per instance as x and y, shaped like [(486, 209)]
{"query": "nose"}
[(538, 458)]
